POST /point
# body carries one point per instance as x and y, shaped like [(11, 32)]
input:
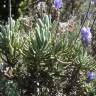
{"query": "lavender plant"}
[(46, 64)]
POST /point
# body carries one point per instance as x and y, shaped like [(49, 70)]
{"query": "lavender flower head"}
[(90, 76), (57, 4), (93, 2), (86, 36)]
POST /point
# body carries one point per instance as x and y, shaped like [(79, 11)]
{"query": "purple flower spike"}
[(90, 76), (86, 36), (57, 4)]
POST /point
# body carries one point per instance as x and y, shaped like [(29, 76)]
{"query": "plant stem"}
[(10, 9)]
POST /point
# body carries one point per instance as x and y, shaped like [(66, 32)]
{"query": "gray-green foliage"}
[(49, 64), (10, 43)]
